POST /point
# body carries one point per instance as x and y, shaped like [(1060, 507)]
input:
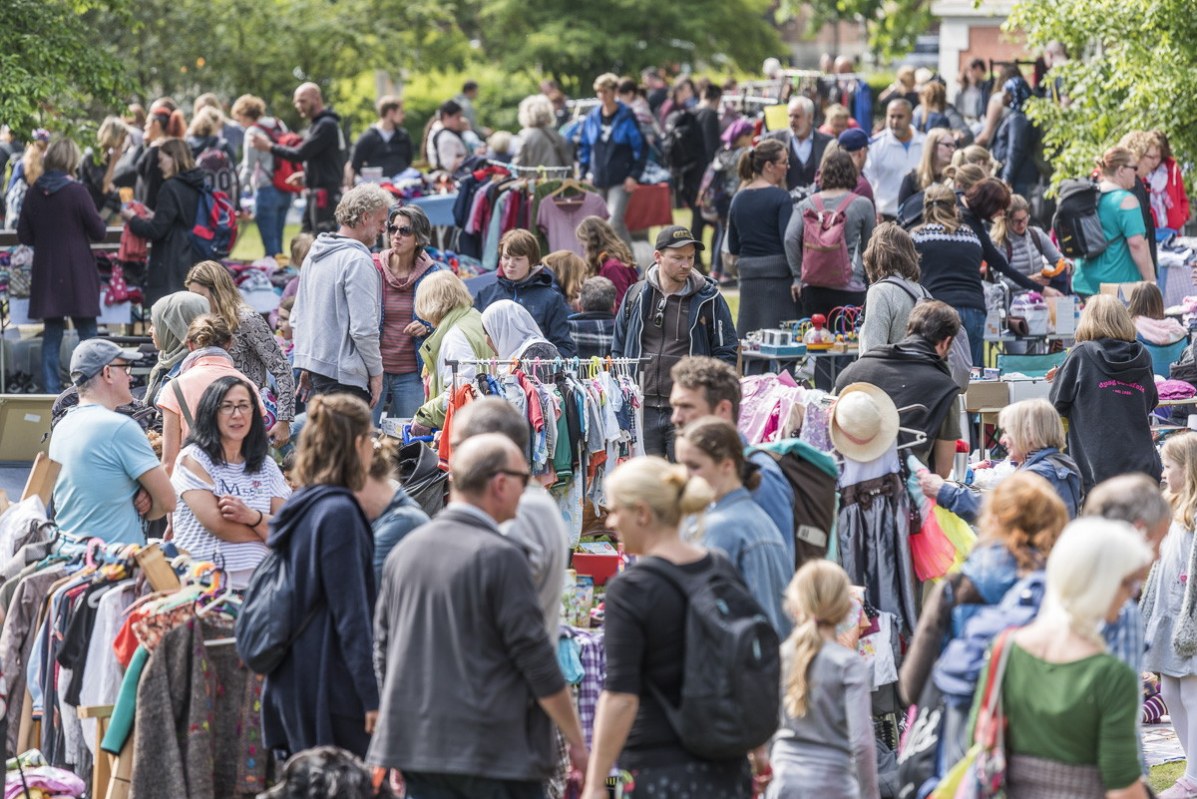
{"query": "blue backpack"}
[(215, 230), (269, 621)]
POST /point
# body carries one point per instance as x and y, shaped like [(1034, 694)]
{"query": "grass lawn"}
[(249, 243), (1162, 776)]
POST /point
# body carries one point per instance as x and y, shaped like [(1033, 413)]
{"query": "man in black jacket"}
[(322, 154), (385, 144), (805, 144), (915, 372)]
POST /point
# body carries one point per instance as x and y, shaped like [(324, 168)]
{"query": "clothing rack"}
[(571, 364), (533, 171)]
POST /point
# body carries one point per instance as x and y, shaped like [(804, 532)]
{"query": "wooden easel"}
[(41, 479)]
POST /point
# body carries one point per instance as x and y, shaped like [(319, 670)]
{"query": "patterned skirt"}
[(697, 779), (1030, 777)]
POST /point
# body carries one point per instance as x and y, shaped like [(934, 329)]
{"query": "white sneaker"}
[(1181, 789)]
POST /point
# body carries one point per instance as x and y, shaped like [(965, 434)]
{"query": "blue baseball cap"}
[(853, 139)]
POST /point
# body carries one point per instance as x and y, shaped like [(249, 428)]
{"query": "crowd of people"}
[(427, 652)]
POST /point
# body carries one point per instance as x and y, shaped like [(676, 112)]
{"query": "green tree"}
[(1134, 68), (574, 42), (892, 25), (52, 72)]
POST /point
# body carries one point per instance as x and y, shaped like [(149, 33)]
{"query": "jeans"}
[(270, 210), (326, 385), (52, 344), (617, 205), (406, 394), (973, 320), (658, 431)]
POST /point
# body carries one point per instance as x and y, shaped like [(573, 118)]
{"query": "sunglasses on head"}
[(402, 230)]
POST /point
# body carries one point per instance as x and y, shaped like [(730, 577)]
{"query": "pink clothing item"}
[(559, 222), (194, 382), (1160, 332), (398, 311), (621, 274)]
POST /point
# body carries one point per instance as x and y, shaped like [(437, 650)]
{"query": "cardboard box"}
[(24, 422), (1028, 389), (1120, 290), (986, 394), (1064, 313)]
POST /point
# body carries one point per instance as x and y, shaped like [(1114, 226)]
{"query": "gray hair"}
[(536, 111), (598, 294), (418, 220), (360, 201), (62, 155), (805, 103), (1132, 498)]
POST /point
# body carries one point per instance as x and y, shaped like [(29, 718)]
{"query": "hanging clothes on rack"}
[(561, 211)]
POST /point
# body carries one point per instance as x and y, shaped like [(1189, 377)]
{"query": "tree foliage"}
[(574, 42), (1134, 68), (892, 25), (49, 63)]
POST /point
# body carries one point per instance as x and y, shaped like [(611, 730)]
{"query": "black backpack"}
[(269, 621), (683, 146), (731, 675), (1076, 224), (910, 212)]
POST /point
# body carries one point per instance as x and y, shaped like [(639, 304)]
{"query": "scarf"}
[(511, 328), (1157, 184), (1018, 91), (51, 182), (171, 316), (423, 263)]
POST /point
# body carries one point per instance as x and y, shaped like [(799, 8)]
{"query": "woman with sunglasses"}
[(403, 265), (227, 486), (1127, 256)]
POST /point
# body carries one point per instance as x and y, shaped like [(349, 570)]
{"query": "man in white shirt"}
[(892, 153), (446, 147)]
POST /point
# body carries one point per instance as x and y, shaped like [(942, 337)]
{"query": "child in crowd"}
[(1147, 311), (593, 328), (571, 272), (825, 745), (283, 334), (608, 255), (1170, 608), (525, 280)]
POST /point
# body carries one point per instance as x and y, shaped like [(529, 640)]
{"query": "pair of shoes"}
[(1181, 789)]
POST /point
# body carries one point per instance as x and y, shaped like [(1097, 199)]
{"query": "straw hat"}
[(864, 422)]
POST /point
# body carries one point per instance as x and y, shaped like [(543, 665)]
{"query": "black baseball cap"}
[(677, 236)]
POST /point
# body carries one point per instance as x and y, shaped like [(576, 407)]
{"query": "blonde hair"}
[(299, 246), (536, 111), (1032, 425), (608, 80), (817, 596), (439, 294), (248, 105), (1025, 514), (225, 298), (208, 121), (976, 155), (965, 176), (667, 489), (1182, 450), (939, 208), (1140, 141), (600, 241), (1001, 228), (926, 172), (112, 133), (571, 272), (32, 159), (1104, 317)]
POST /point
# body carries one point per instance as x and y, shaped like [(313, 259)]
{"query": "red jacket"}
[(1178, 214)]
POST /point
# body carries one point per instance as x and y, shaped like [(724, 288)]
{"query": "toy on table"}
[(818, 337), (845, 324)]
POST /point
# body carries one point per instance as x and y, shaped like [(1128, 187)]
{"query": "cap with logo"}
[(91, 356), (677, 236)]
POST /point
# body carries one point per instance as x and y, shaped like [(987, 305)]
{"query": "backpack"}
[(284, 168), (825, 261), (815, 496), (910, 212), (268, 622), (683, 145), (1076, 223), (219, 173), (215, 230), (731, 674)]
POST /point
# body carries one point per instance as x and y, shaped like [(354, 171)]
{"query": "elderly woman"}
[(1034, 438), (403, 265), (445, 303), (1127, 256), (540, 143), (59, 220)]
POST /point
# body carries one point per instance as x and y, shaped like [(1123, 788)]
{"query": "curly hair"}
[(360, 201), (1026, 515), (600, 241), (715, 379)]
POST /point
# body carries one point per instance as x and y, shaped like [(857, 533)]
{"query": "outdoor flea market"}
[(793, 434)]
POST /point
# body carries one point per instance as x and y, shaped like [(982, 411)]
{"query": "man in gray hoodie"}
[(338, 305)]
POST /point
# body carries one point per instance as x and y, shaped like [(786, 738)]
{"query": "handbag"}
[(981, 773)]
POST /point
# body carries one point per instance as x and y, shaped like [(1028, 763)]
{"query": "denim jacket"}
[(1059, 470)]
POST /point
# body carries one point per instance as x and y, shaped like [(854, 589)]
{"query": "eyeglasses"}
[(1019, 220), (524, 477), (229, 409), (951, 145), (1132, 167), (127, 367), (659, 316), (401, 230)]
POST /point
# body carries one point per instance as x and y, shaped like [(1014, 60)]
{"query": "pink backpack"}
[(825, 261)]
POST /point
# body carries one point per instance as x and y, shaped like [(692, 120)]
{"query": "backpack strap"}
[(183, 409), (630, 298), (894, 281)]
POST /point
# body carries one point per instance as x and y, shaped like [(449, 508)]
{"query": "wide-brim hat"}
[(864, 422)]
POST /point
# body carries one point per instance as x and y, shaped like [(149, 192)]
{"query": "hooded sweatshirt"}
[(322, 153), (327, 543), (539, 295), (337, 311), (1160, 332), (1106, 390)]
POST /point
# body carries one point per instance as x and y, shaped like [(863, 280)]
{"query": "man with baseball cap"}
[(110, 475), (674, 312), (855, 142)]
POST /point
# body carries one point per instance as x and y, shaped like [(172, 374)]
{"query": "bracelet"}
[(261, 516)]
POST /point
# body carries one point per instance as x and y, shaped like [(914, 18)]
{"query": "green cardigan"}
[(469, 322)]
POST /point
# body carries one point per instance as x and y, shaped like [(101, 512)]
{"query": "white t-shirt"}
[(256, 490)]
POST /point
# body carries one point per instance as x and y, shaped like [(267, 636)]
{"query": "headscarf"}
[(1018, 91), (511, 328), (171, 316)]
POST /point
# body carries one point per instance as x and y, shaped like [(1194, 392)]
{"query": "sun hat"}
[(864, 422)]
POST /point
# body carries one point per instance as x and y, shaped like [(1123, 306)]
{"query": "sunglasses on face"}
[(659, 316), (400, 230), (524, 477)]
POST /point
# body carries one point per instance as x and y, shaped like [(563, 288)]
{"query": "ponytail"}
[(744, 167), (752, 163), (818, 596)]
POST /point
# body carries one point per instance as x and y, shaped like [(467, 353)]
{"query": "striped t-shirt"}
[(255, 490)]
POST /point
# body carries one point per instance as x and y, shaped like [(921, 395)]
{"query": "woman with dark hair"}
[(988, 201), (324, 690), (327, 772), (168, 230), (403, 266), (59, 220), (838, 178), (228, 487), (756, 232)]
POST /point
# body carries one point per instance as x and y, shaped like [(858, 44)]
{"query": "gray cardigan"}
[(462, 655), (861, 219)]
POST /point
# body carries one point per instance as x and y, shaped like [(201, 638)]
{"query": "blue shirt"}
[(775, 496), (102, 454), (737, 525)]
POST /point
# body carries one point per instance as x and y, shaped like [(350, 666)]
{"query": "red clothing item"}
[(463, 396), (398, 311), (126, 641), (622, 275), (1178, 214)]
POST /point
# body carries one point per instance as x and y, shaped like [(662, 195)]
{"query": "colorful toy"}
[(818, 337)]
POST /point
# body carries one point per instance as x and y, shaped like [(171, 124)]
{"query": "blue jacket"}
[(712, 329), (1012, 145), (622, 155), (539, 295), (738, 526), (1060, 471), (402, 516)]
